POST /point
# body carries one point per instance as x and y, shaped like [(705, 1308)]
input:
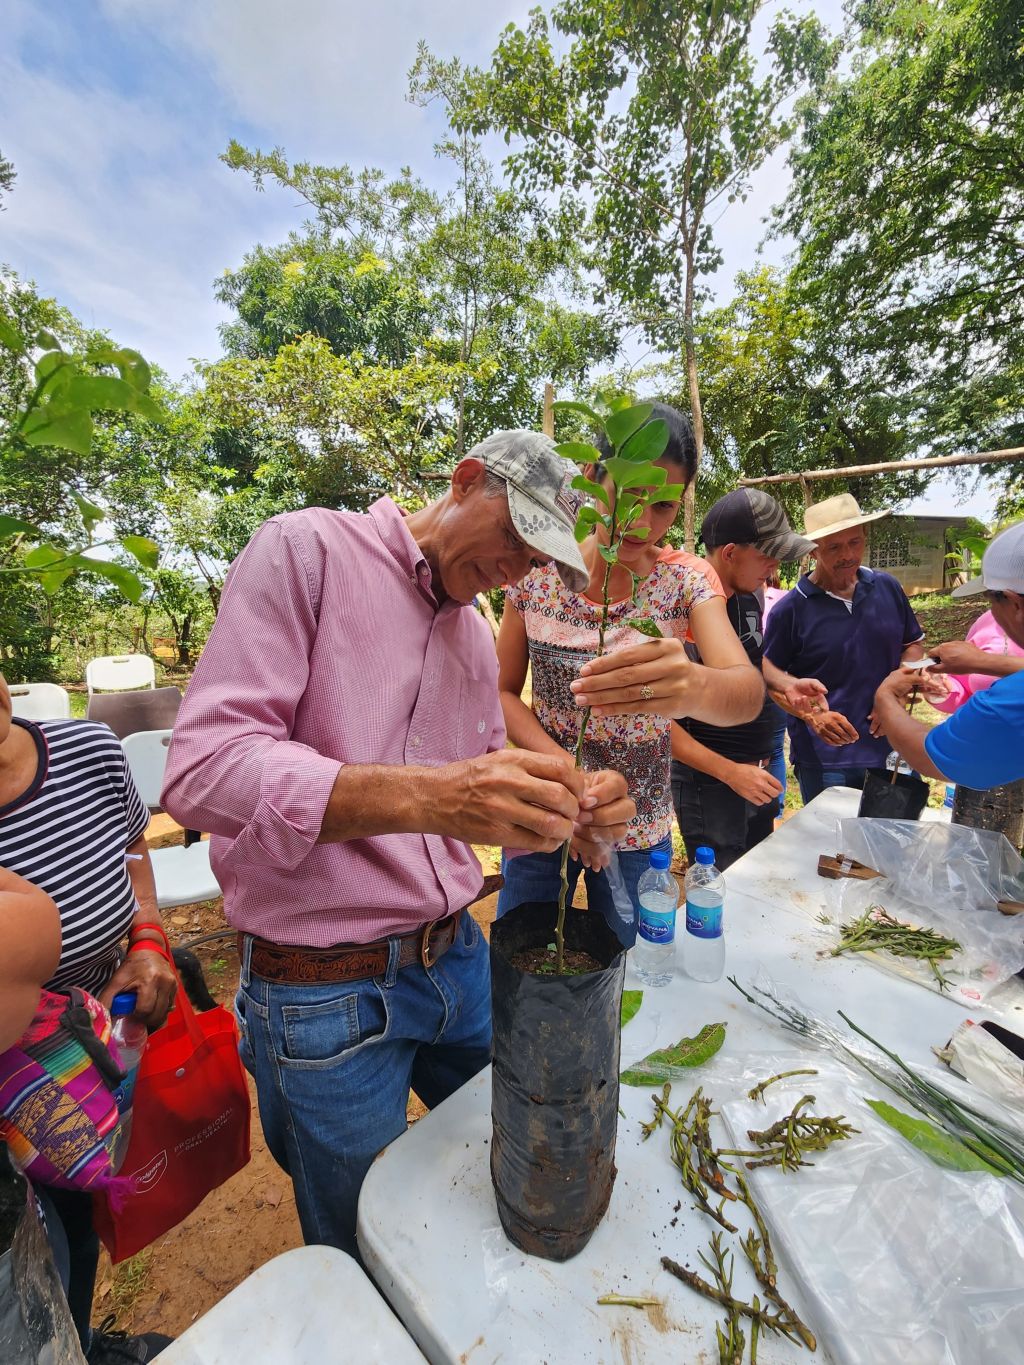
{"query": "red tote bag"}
[(190, 1127)]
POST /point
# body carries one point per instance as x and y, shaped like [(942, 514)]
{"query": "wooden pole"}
[(848, 471), (547, 424)]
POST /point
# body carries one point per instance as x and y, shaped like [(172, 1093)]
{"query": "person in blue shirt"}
[(982, 744), (843, 627)]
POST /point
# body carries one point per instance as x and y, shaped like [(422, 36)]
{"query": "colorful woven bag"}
[(57, 1110)]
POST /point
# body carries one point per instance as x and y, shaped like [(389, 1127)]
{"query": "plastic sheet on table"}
[(944, 877), (898, 1259)]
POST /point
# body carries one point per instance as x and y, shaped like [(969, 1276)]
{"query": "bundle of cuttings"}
[(877, 930)]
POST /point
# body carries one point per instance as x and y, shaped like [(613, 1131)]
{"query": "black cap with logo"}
[(749, 517)]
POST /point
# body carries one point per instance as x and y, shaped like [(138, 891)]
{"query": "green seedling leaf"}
[(102, 393), (645, 626), (565, 405), (579, 452), (50, 425), (609, 555), (52, 360), (122, 578), (631, 1001), (91, 514), (649, 443), (672, 492), (46, 341), (659, 1066), (596, 490), (11, 526), (146, 551), (619, 427), (10, 336), (43, 555), (940, 1147), (630, 474)]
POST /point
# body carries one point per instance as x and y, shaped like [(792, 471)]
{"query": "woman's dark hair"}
[(681, 449)]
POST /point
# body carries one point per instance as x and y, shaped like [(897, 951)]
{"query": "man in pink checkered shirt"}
[(343, 741)]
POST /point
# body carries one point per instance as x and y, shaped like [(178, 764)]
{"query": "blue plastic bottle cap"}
[(660, 858), (124, 1003), (705, 856)]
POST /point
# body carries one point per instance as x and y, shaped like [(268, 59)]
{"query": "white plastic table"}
[(428, 1226), (310, 1306)]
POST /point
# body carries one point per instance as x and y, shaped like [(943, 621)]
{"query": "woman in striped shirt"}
[(73, 824)]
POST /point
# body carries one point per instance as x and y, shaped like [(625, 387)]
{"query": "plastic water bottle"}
[(658, 893), (704, 951), (131, 1037)]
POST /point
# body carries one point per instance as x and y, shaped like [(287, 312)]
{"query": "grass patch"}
[(130, 1280)]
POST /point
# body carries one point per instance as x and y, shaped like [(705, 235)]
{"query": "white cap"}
[(1002, 565)]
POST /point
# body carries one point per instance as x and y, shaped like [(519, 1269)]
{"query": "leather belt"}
[(349, 961)]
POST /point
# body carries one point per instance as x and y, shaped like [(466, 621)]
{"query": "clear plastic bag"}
[(948, 878), (898, 1259)]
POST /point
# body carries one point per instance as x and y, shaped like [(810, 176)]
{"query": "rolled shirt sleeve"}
[(233, 768), (982, 745)]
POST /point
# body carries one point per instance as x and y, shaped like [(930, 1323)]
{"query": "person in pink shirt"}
[(972, 665), (343, 741)]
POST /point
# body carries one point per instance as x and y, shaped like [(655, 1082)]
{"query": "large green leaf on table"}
[(620, 426), (631, 1001), (10, 336), (567, 405), (55, 424), (630, 474), (660, 1066), (596, 490), (11, 526), (123, 579), (91, 514), (943, 1149), (146, 551), (649, 443), (579, 452)]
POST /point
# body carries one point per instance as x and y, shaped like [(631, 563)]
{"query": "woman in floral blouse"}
[(555, 632)]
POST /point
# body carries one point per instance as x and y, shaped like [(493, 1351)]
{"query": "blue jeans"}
[(814, 780), (334, 1064), (535, 877)]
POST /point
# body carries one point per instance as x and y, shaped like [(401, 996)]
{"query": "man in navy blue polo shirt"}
[(847, 627), (982, 743)]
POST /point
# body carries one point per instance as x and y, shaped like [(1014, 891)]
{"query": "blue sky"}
[(115, 112)]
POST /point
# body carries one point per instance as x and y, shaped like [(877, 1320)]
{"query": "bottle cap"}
[(705, 856), (660, 858), (123, 1003)]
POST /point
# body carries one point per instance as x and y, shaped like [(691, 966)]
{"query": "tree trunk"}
[(184, 640), (696, 411)]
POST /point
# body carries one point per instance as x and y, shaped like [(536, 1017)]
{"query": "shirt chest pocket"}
[(477, 701)]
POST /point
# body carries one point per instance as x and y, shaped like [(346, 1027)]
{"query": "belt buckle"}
[(426, 956)]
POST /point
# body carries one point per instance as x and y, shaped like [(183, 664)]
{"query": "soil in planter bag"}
[(882, 798), (555, 1082)]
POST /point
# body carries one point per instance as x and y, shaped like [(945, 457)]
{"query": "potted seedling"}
[(557, 971)]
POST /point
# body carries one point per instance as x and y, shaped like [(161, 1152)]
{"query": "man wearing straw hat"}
[(846, 627)]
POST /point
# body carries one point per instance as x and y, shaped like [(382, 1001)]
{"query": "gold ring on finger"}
[(647, 692)]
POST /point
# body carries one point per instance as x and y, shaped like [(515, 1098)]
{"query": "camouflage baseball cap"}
[(542, 503)]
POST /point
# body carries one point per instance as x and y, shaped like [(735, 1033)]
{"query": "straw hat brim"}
[(819, 533)]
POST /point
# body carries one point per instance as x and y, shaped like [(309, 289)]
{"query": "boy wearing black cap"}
[(724, 794)]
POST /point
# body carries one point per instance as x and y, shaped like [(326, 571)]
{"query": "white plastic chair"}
[(182, 875), (40, 701), (120, 673)]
